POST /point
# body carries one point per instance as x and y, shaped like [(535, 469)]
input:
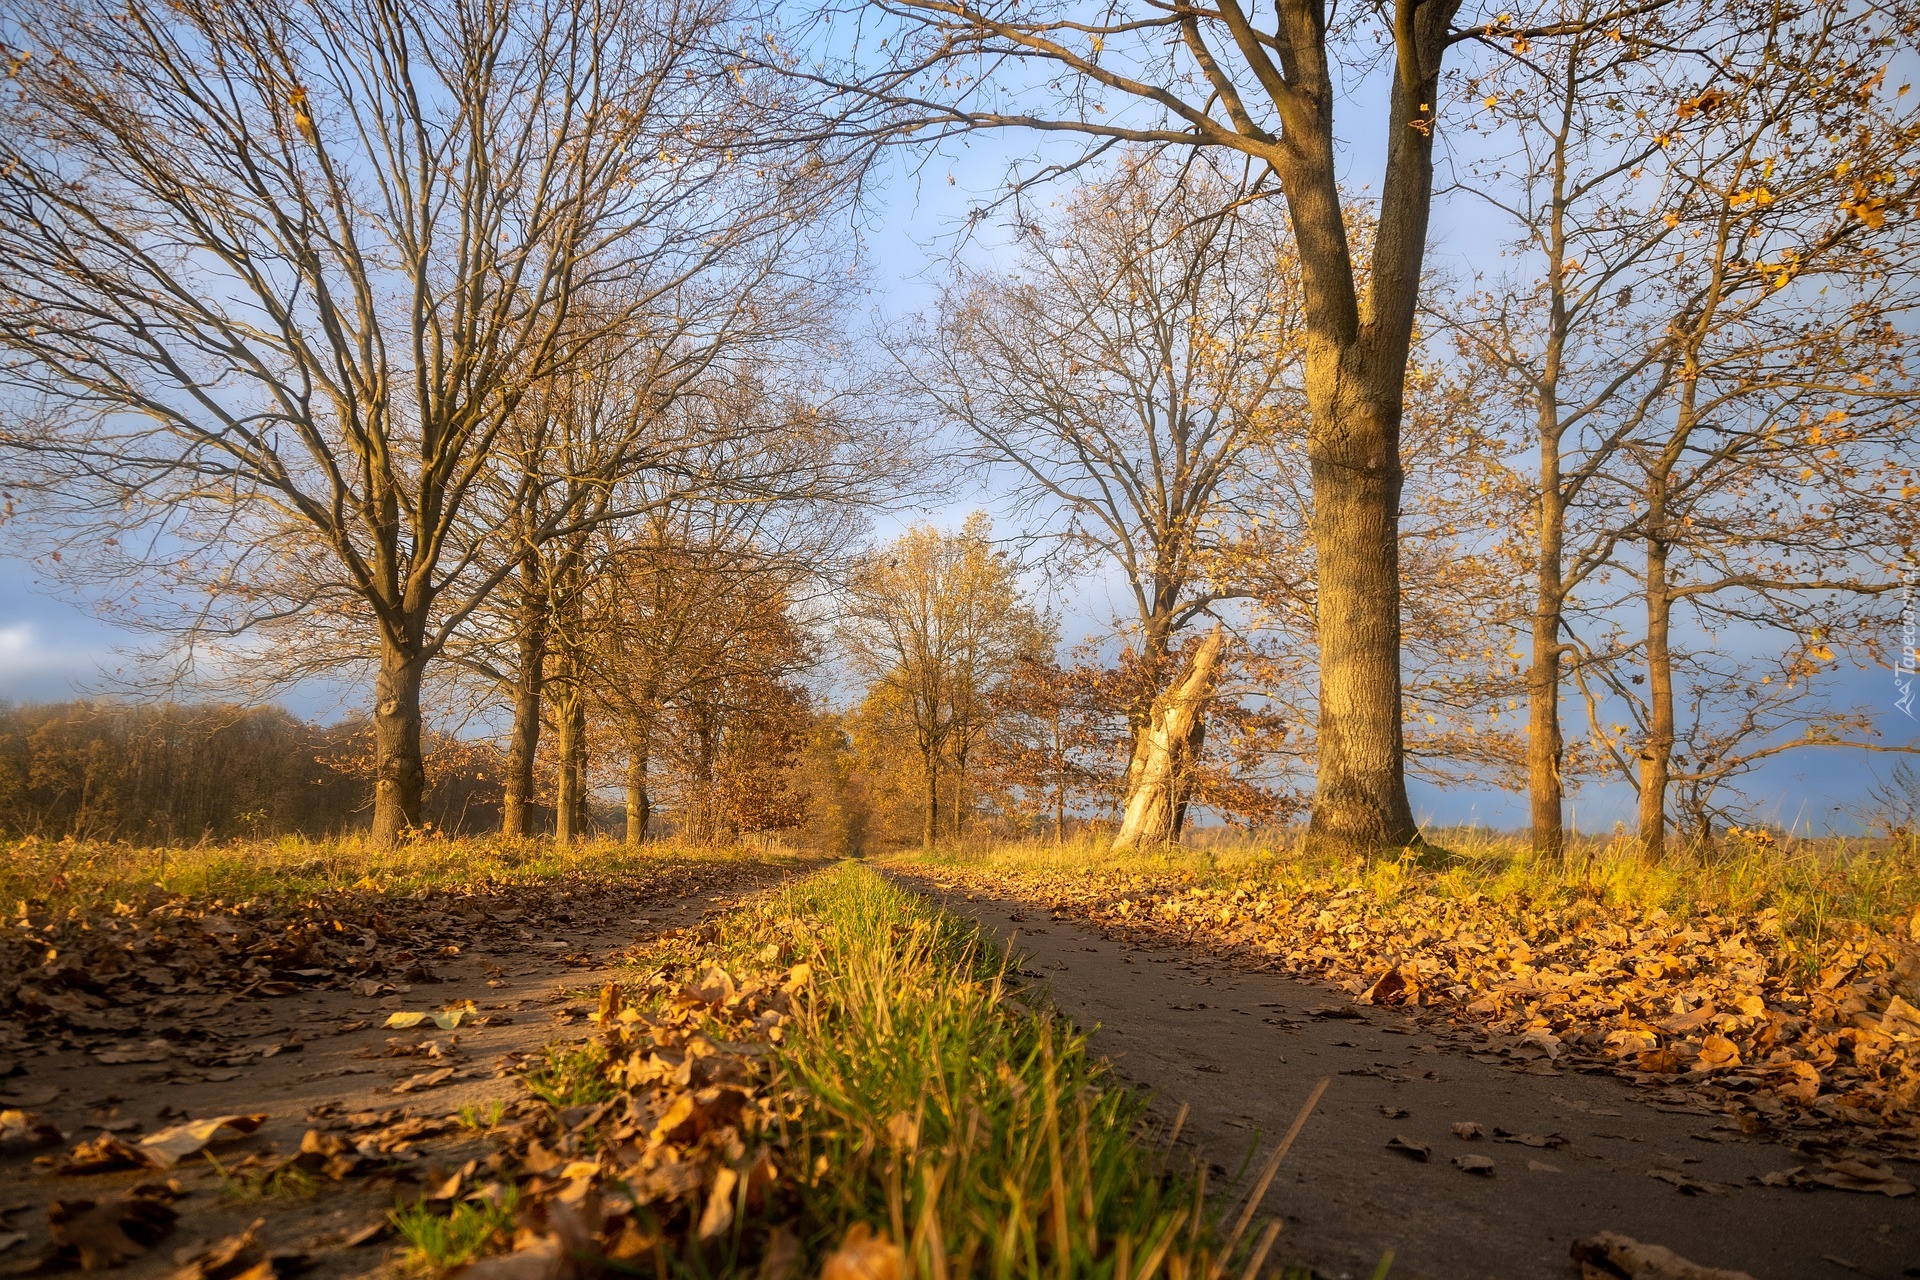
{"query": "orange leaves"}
[(1704, 1002), (864, 1256), (1706, 102), (1867, 207)]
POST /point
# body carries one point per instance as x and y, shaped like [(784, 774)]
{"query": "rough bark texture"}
[(523, 744), (1545, 747), (570, 725), (1356, 359), (400, 772), (1656, 753), (932, 825), (639, 802), (1162, 769), (1360, 796)]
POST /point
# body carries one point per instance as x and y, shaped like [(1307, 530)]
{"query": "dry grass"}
[(57, 874)]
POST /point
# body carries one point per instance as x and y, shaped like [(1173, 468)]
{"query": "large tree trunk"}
[(400, 774), (523, 745), (1161, 771), (1360, 794), (1357, 346)]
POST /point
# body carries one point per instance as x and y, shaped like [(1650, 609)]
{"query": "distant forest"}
[(179, 773)]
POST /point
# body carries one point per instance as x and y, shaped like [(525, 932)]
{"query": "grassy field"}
[(59, 873)]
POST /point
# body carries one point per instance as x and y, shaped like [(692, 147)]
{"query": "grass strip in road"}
[(836, 1079)]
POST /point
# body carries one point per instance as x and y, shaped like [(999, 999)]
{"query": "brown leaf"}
[(25, 1129), (100, 1235), (1607, 1255), (1717, 1053), (105, 1154), (1687, 1184), (1860, 1175), (170, 1146), (692, 1114), (864, 1256), (1474, 1164), (1391, 987), (425, 1080), (1530, 1139), (1407, 1146), (1468, 1130), (539, 1258), (225, 1260), (718, 1215)]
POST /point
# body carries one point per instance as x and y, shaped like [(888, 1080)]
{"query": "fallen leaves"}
[(1686, 1184), (171, 1145), (1717, 1009), (162, 1150), (156, 980), (1478, 1164), (96, 1235), (1408, 1147), (1607, 1255), (239, 1257), (864, 1256)]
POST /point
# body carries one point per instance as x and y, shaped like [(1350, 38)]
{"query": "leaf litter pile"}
[(155, 980), (834, 1081), (164, 983), (1711, 1011)]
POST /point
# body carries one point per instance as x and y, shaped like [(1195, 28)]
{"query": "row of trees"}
[(493, 347), (1672, 419), (179, 774)]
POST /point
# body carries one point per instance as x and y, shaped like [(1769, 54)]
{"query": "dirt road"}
[(1579, 1153)]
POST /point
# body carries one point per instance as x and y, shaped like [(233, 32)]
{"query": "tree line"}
[(499, 350)]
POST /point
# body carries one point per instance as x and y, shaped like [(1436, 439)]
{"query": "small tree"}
[(935, 622)]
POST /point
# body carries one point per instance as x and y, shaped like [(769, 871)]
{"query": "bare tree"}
[(1137, 372), (1711, 357), (280, 276), (1263, 84)]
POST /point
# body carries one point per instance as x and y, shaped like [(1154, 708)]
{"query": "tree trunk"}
[(400, 775), (932, 826), (524, 743), (569, 713), (1360, 793), (1187, 762), (639, 804), (1159, 772), (960, 794), (1656, 754), (1059, 783), (1545, 747)]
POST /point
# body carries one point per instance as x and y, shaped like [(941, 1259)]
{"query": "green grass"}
[(932, 1104), (1818, 886), (250, 1186), (88, 873), (570, 1075), (438, 1242)]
